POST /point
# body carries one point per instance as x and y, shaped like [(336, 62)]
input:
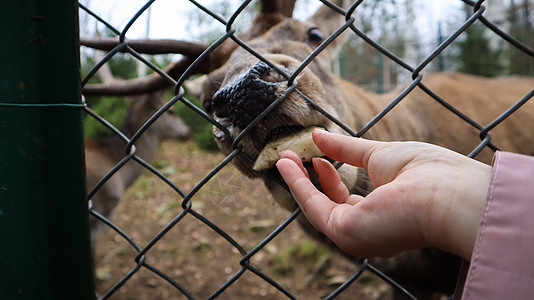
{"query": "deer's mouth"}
[(282, 132), (237, 106)]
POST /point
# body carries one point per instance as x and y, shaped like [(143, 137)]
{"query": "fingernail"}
[(318, 160), (277, 166), (314, 162)]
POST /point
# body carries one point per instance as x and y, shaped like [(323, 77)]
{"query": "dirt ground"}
[(198, 258)]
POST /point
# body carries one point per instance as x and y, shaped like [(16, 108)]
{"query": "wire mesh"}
[(250, 255)]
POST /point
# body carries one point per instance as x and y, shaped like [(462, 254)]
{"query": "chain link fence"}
[(251, 257)]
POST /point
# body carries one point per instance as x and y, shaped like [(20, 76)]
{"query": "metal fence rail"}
[(246, 264)]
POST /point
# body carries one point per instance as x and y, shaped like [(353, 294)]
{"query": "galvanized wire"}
[(417, 73)]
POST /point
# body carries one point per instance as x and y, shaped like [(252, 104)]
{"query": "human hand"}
[(425, 196)]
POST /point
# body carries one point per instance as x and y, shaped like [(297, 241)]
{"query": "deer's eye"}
[(315, 36)]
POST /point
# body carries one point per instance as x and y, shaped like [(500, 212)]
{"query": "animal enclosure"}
[(203, 200)]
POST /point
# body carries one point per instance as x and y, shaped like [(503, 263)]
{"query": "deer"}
[(260, 97), (102, 155)]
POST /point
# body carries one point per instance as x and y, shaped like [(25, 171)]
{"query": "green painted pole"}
[(44, 232)]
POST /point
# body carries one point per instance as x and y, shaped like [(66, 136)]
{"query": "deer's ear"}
[(328, 21), (206, 86), (194, 87)]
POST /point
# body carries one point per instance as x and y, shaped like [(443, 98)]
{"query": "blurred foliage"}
[(112, 109), (520, 16), (481, 52), (123, 66), (364, 65), (476, 56), (478, 50)]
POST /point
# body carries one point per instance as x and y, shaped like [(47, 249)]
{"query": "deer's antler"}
[(139, 85), (161, 46), (283, 7)]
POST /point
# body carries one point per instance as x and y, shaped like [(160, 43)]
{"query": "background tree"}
[(476, 56), (382, 22), (520, 17), (476, 53)]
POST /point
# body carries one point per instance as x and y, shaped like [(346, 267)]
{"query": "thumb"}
[(347, 149)]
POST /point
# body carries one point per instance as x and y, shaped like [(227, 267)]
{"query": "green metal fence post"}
[(44, 235)]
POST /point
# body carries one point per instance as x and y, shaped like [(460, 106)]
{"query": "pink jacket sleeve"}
[(502, 265)]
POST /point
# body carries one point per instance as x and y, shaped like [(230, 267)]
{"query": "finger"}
[(294, 157), (330, 181), (314, 204), (351, 150)]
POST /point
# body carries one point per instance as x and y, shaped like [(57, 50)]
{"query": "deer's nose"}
[(244, 99)]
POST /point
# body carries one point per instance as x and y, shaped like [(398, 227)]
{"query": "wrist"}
[(465, 209)]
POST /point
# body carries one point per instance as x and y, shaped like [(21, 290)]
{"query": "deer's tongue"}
[(300, 143)]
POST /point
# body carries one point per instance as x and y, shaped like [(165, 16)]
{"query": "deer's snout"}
[(246, 97)]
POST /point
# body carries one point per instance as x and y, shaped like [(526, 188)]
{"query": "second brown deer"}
[(101, 156)]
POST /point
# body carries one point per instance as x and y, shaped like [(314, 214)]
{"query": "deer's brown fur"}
[(418, 117), (104, 154)]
